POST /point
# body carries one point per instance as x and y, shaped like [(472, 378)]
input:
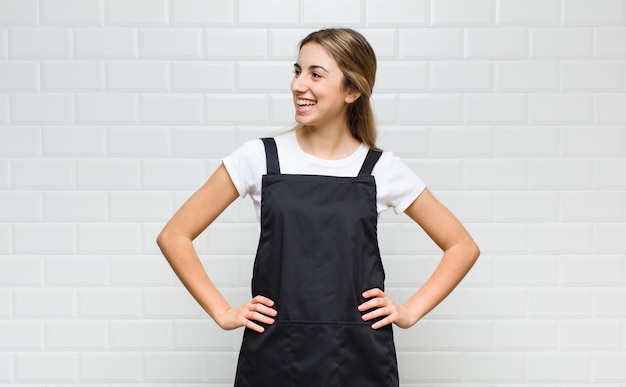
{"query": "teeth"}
[(305, 102)]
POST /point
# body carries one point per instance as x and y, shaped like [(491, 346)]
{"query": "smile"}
[(305, 102)]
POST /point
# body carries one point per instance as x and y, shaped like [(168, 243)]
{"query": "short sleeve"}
[(397, 185), (246, 166)]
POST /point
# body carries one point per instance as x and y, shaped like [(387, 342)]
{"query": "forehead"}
[(313, 54)]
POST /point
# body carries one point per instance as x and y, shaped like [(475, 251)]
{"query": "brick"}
[(4, 45), (492, 367), (109, 303), (529, 12), (592, 270), (40, 43), (428, 367), (172, 108), (108, 238), (78, 76), (179, 43), (490, 108), (560, 108), (561, 43), (5, 246), (45, 367), (139, 206), (527, 76), (72, 335), (43, 174), (173, 174), (347, 12), (74, 12), (525, 335), (404, 141), (430, 43), (430, 109), (612, 178), (527, 141), (560, 303), (19, 76), (560, 238), (608, 238), (21, 271), (75, 206), (49, 108), (527, 206), (109, 43), (202, 13), (202, 334), (609, 42), (609, 108), (107, 108), (140, 271), (560, 173), (139, 141), (79, 271), (609, 303), (276, 76), (460, 141), (439, 174), (399, 76), (203, 76), (21, 335), (284, 42), (179, 367), (598, 12), (607, 366), (74, 141), (20, 141), (282, 111), (141, 335), (110, 366), (44, 303), (18, 12), (384, 41), (245, 43), (4, 108), (108, 173), (459, 12), (489, 43), (558, 367), (6, 366), (489, 173), (468, 206), (223, 239), (202, 141), (596, 76), (137, 76), (461, 76), (450, 335), (536, 270), (396, 12), (501, 238), (170, 303), (51, 238), (20, 206), (607, 141), (136, 12), (275, 12), (222, 108)]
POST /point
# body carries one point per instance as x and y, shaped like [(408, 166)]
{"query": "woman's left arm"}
[(459, 254)]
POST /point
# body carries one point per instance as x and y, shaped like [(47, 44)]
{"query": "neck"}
[(330, 144)]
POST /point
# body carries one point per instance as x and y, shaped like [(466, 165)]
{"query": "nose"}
[(298, 85)]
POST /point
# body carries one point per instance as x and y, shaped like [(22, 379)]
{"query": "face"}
[(320, 98)]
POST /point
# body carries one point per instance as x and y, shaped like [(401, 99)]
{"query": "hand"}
[(257, 309), (381, 305)]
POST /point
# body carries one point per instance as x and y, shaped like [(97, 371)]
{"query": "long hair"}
[(357, 61)]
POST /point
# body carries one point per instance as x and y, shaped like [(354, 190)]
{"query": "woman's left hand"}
[(381, 305)]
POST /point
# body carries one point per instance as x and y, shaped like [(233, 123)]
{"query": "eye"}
[(296, 72), (316, 75)]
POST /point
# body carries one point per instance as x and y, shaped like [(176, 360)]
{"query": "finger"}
[(374, 292), (382, 323), (377, 302), (263, 300), (255, 327), (376, 313)]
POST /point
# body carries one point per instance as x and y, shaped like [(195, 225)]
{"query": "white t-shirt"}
[(397, 186)]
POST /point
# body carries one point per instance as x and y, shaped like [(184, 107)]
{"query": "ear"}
[(352, 95)]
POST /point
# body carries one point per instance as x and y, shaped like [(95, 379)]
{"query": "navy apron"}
[(318, 252)]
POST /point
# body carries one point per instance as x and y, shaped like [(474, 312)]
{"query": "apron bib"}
[(318, 251)]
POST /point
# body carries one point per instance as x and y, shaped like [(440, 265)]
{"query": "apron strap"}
[(370, 160), (271, 156)]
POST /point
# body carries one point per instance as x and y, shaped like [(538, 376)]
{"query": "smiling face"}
[(320, 97)]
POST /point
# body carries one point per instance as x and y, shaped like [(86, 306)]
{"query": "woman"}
[(319, 315)]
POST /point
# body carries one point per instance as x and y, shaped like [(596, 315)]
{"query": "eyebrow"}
[(312, 67)]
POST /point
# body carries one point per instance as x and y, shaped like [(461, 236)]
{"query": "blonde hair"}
[(357, 61)]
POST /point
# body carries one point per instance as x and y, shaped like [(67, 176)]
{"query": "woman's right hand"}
[(259, 309)]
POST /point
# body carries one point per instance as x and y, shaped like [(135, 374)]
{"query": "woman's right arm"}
[(175, 241)]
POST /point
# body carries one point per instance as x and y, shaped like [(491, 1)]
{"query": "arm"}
[(459, 254), (175, 241)]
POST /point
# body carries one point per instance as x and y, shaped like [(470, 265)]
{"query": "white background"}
[(112, 112)]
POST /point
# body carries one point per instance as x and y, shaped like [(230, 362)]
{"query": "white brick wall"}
[(113, 111)]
